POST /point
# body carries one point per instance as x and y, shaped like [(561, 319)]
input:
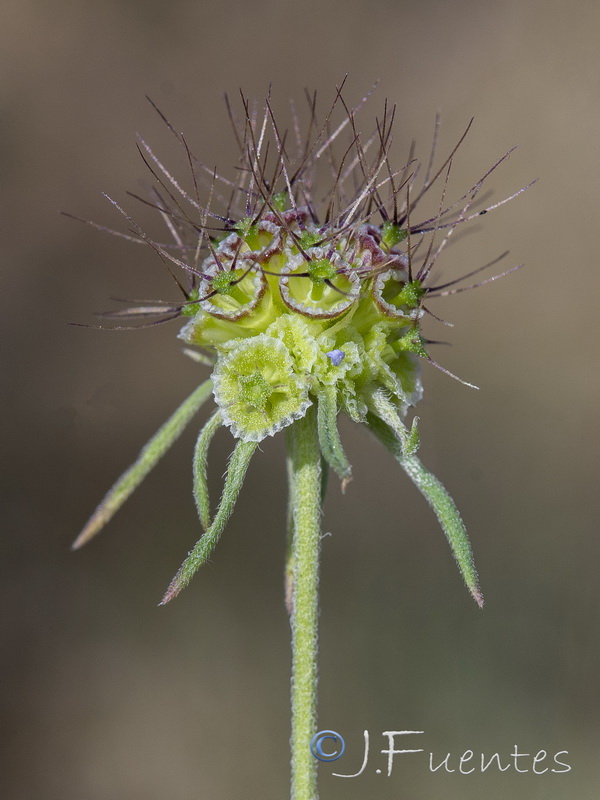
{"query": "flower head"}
[(297, 297)]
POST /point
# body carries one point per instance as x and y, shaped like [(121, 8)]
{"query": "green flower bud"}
[(295, 332), (322, 288), (232, 293), (257, 389), (396, 296), (346, 362)]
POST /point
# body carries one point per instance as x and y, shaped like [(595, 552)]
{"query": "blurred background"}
[(106, 696)]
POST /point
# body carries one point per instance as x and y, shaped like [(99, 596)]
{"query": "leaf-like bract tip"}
[(93, 526), (172, 591), (146, 460), (477, 596)]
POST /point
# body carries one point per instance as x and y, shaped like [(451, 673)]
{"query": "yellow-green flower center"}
[(321, 271), (255, 390)]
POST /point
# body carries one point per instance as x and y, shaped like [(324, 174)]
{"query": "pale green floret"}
[(350, 365), (322, 288), (375, 343), (257, 388), (299, 336), (207, 329), (255, 235), (345, 375), (395, 296), (397, 372)]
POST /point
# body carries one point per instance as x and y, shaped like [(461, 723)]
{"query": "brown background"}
[(104, 695)]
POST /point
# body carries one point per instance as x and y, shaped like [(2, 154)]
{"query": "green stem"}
[(289, 553), (305, 489)]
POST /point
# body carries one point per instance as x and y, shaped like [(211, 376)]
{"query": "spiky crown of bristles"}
[(345, 271)]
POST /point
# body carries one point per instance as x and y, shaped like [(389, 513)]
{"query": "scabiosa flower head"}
[(301, 298)]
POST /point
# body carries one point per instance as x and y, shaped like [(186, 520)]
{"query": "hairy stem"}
[(305, 492)]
